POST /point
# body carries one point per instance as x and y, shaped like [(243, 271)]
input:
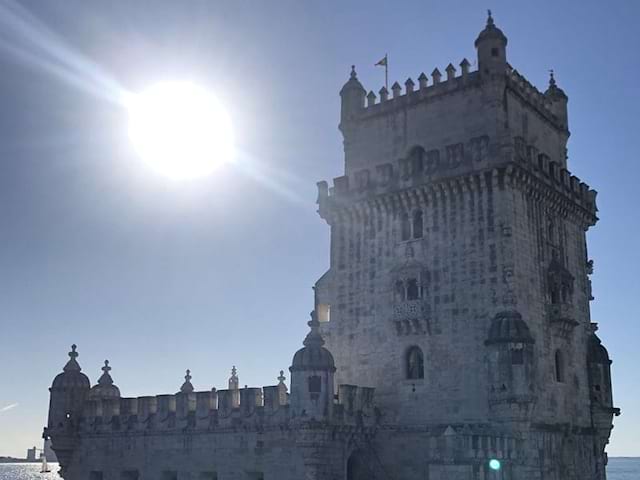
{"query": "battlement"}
[(424, 91), (216, 409), (534, 97), (452, 83), (430, 167)]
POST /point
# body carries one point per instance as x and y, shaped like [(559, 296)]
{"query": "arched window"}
[(415, 363), (417, 224), (416, 160), (559, 360), (405, 226), (554, 294), (413, 292), (399, 291)]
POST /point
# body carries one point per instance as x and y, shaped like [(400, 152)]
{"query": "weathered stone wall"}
[(430, 118)]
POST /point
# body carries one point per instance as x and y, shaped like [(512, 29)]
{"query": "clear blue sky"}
[(157, 277)]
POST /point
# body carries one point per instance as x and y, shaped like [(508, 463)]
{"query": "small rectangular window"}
[(324, 312), (315, 384), (169, 475), (130, 475), (95, 476), (517, 357)]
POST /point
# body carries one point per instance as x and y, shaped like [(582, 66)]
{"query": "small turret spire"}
[(187, 387), (234, 381), (72, 365), (489, 18), (313, 338), (552, 80), (105, 379), (353, 74)]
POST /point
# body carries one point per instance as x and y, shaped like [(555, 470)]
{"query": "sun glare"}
[(180, 130)]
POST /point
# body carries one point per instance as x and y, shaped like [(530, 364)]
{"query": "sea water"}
[(618, 469)]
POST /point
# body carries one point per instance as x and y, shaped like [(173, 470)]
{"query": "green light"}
[(494, 464)]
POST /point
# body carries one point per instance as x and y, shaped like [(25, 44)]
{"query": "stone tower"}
[(459, 283)]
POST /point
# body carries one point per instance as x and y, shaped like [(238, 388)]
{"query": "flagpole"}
[(386, 71)]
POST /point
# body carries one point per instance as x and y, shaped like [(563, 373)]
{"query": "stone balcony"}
[(409, 318), (562, 318)]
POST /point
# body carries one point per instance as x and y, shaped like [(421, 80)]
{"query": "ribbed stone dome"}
[(313, 359), (509, 327), (491, 32), (554, 91), (353, 84), (596, 352), (105, 387), (313, 356), (71, 377), (71, 380)]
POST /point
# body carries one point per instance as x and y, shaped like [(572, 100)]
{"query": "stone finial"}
[(436, 76), (451, 72), (234, 381), (408, 85), (105, 379), (395, 88), (555, 92), (187, 387), (384, 94), (489, 18), (422, 81), (282, 389), (353, 73), (464, 65), (371, 99), (313, 338), (72, 365)]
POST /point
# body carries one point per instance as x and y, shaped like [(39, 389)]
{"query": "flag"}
[(382, 63)]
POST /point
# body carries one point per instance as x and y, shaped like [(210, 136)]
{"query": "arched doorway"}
[(357, 468)]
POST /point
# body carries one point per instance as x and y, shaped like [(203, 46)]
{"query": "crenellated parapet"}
[(424, 91), (430, 173), (542, 103), (207, 411), (269, 407)]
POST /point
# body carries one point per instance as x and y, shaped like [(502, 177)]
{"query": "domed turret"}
[(312, 373), (353, 96), (105, 387), (68, 392), (599, 365), (597, 353), (511, 366), (313, 355), (558, 100), (492, 49)]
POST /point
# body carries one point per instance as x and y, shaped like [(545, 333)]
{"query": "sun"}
[(180, 130)]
